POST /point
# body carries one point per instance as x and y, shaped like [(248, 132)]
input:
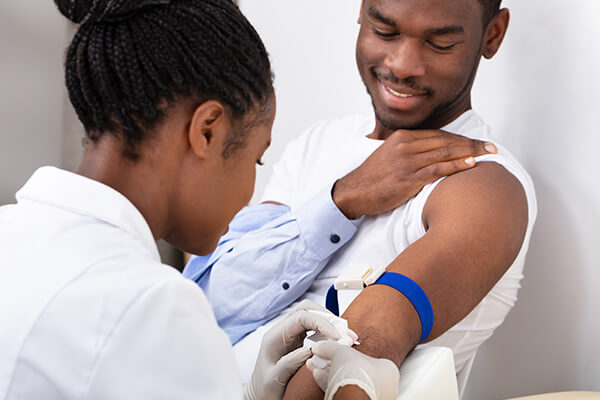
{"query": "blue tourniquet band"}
[(331, 301), (409, 288)]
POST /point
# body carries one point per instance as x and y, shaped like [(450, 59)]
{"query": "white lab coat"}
[(87, 311)]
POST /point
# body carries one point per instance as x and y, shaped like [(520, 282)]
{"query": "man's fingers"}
[(406, 135), (436, 171), (476, 147), (447, 154)]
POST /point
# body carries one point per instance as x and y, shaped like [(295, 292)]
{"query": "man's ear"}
[(208, 127), (495, 32)]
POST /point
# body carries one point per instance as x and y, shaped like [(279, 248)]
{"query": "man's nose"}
[(406, 59)]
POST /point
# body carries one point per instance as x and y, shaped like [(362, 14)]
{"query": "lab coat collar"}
[(81, 195)]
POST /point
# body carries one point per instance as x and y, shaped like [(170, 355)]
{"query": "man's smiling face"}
[(418, 59)]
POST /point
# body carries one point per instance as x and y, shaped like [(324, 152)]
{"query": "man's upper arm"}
[(476, 222)]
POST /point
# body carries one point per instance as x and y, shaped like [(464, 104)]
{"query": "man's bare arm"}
[(476, 222)]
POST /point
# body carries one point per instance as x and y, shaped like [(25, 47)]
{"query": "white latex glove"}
[(281, 353), (377, 377)]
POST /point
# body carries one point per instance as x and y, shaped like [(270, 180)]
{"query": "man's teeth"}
[(398, 94)]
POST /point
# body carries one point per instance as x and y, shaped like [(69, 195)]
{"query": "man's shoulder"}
[(503, 163), (469, 124)]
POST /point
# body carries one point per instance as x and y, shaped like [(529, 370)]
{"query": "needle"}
[(360, 334)]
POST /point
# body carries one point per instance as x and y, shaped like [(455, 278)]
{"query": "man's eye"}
[(384, 35), (441, 48)]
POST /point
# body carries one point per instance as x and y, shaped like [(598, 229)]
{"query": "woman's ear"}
[(208, 128), (495, 32)]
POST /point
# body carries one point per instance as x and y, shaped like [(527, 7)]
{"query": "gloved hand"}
[(281, 353), (377, 377)]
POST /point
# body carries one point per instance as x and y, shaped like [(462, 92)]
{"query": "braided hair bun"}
[(83, 11), (131, 61)]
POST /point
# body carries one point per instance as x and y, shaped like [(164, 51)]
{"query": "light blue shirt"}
[(268, 259)]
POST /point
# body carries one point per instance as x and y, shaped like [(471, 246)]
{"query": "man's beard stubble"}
[(438, 110)]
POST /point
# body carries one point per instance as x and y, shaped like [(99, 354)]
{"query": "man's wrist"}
[(343, 201), (324, 228)]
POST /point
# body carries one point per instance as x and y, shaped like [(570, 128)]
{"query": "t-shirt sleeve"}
[(415, 227), (167, 345)]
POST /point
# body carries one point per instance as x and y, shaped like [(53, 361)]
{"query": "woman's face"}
[(212, 203), (236, 183)]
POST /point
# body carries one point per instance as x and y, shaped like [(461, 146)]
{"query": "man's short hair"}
[(490, 9)]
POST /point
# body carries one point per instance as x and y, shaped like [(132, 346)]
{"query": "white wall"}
[(311, 43), (542, 93), (37, 123), (541, 96), (32, 40)]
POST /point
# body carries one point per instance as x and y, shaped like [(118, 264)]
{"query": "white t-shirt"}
[(330, 150), (87, 311)]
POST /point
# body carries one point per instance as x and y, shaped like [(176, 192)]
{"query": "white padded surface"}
[(428, 374)]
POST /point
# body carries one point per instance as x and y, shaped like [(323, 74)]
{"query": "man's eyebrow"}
[(375, 13), (445, 30)]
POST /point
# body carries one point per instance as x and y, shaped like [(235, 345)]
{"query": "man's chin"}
[(394, 125)]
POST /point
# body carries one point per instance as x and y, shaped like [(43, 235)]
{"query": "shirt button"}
[(335, 239), (285, 286)]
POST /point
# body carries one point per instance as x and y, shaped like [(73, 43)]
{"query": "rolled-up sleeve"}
[(268, 259)]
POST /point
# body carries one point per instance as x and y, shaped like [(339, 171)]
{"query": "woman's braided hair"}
[(130, 60)]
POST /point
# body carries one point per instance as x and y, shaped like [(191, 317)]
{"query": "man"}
[(461, 239)]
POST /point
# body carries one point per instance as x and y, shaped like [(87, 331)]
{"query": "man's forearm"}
[(390, 331)]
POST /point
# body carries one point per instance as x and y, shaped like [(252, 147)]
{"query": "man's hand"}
[(401, 167)]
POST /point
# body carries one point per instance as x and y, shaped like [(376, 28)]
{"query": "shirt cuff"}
[(324, 227)]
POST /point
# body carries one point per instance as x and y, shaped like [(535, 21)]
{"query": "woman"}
[(177, 101)]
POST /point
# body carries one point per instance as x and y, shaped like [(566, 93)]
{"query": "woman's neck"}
[(104, 162)]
